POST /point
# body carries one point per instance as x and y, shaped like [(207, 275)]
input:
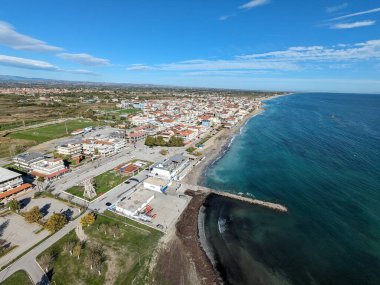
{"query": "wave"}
[(222, 225)]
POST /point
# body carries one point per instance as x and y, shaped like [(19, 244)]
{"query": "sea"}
[(319, 155)]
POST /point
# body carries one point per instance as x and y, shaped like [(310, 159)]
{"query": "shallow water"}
[(318, 154)]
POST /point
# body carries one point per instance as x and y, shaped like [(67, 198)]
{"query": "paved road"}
[(28, 261)]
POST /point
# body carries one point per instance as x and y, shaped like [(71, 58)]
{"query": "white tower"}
[(89, 190)]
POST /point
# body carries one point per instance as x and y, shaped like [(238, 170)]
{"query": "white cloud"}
[(356, 14), (253, 3), (83, 71), (84, 59), (336, 8), (225, 17), (139, 67), (26, 63), (352, 25), (355, 52), (9, 37)]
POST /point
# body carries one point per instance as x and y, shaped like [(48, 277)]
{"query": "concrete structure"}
[(135, 137), (170, 168), (134, 206), (70, 149), (157, 184), (25, 160), (49, 168), (11, 183)]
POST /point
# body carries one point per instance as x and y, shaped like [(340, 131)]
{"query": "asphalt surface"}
[(140, 151)]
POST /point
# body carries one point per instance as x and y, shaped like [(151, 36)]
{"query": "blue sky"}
[(302, 45)]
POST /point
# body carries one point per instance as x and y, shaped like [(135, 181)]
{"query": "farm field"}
[(43, 134)]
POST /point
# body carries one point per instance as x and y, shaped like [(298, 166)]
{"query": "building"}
[(25, 160), (157, 184), (49, 168), (135, 206), (70, 149), (135, 137), (170, 168), (11, 183)]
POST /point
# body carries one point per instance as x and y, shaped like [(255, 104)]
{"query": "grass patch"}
[(127, 255), (102, 183), (18, 278), (47, 133)]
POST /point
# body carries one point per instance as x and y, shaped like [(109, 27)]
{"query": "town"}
[(126, 166)]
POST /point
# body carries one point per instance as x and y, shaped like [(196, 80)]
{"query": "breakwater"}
[(270, 205)]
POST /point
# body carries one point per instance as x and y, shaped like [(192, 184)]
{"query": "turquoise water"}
[(318, 154)]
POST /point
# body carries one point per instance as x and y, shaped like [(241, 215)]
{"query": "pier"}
[(270, 205)]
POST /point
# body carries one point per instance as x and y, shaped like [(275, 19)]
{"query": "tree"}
[(46, 261), (103, 228), (77, 249), (14, 205), (160, 141), (33, 215), (164, 152), (115, 230), (56, 222), (175, 141), (69, 246), (95, 257), (150, 141), (87, 220)]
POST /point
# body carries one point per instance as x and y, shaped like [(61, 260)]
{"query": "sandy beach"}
[(189, 237)]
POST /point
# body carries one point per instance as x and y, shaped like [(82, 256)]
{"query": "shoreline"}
[(216, 148)]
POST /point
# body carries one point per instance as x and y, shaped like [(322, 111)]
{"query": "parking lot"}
[(17, 232), (48, 206)]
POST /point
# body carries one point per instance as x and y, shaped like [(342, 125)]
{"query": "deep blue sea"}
[(318, 154)]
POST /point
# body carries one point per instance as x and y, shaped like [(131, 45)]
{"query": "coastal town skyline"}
[(257, 45)]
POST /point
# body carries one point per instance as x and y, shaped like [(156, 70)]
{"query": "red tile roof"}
[(15, 190)]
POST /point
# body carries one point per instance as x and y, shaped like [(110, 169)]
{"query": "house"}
[(70, 149), (187, 135), (11, 183), (135, 137), (25, 160), (49, 168)]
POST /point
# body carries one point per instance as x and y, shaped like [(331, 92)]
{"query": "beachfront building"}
[(25, 160), (170, 168), (135, 206), (11, 183), (49, 168), (157, 184)]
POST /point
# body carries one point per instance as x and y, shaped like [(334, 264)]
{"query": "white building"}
[(135, 206), (70, 149), (11, 183), (25, 160), (170, 168), (157, 184), (49, 168)]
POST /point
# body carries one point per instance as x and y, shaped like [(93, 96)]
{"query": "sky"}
[(294, 45)]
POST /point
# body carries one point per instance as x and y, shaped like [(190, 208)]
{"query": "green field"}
[(43, 134), (18, 278), (127, 256), (102, 183)]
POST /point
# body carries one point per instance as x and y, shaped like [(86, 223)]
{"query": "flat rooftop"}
[(156, 181), (135, 201), (6, 174)]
